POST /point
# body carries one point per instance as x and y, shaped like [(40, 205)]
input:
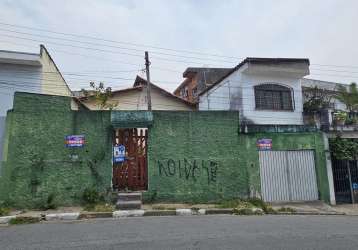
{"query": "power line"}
[(146, 46), (116, 47), (104, 50), (95, 57), (119, 42)]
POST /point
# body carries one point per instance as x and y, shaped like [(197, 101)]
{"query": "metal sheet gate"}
[(288, 175)]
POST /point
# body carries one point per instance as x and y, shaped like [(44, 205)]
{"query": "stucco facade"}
[(136, 99), (236, 92)]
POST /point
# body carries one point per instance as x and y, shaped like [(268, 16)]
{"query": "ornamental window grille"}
[(273, 97)]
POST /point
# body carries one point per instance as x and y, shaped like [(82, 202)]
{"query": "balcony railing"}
[(332, 120)]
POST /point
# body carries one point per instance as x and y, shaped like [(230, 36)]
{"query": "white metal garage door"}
[(288, 175)]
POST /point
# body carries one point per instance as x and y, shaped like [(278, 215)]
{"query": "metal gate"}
[(345, 176), (131, 174), (288, 175)]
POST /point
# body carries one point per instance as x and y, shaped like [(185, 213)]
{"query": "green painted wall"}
[(192, 156), (287, 141), (183, 146), (38, 163), (195, 157)]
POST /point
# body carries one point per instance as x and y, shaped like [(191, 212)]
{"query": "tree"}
[(101, 94), (348, 96), (316, 99)]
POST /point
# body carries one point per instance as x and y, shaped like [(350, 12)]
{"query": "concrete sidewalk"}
[(306, 207), (348, 209)]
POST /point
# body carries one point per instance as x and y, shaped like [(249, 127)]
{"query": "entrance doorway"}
[(345, 177), (130, 171)]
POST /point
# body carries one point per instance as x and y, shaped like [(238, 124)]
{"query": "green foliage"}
[(24, 220), (91, 196), (344, 148), (246, 211), (99, 207), (348, 96), (259, 203), (340, 116), (4, 211), (245, 204), (352, 120), (102, 95), (316, 99)]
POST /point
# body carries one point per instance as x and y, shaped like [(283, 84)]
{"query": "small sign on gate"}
[(119, 153), (264, 144), (73, 141)]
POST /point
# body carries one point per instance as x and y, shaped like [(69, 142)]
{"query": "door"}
[(288, 176), (345, 178), (131, 174)]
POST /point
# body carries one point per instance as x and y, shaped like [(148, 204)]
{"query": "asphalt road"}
[(193, 232)]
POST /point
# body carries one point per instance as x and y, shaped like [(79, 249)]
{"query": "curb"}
[(140, 213), (159, 213), (62, 216), (6, 219)]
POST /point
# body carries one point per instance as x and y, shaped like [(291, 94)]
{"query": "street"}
[(192, 232)]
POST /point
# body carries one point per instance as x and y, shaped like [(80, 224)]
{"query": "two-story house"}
[(264, 90), (197, 80), (27, 72)]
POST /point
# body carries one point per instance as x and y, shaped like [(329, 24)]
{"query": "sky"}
[(108, 38)]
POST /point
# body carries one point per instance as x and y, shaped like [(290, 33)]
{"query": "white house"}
[(27, 72), (264, 90)]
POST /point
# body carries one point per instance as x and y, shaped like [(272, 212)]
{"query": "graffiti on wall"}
[(189, 169)]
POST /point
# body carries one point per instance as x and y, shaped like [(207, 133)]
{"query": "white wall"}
[(15, 77), (236, 92), (268, 116)]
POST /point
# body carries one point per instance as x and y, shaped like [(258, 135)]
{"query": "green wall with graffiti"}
[(201, 157), (38, 165), (192, 156)]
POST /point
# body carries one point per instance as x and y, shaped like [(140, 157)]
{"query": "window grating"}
[(273, 97)]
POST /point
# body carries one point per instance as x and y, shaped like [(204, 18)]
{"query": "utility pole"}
[(147, 63)]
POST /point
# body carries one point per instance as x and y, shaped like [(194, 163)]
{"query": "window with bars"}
[(273, 97)]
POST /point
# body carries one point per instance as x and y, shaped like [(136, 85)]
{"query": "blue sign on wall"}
[(73, 141), (264, 144), (119, 153), (355, 186)]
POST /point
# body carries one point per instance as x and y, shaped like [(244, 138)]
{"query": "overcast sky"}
[(323, 31)]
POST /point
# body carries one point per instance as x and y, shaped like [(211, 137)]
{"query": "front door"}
[(345, 177), (131, 172)]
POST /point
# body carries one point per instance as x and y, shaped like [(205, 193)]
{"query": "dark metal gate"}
[(131, 174), (345, 176)]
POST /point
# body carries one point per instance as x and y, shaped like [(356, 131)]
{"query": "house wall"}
[(52, 81), (136, 100), (129, 100), (236, 92), (15, 77)]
